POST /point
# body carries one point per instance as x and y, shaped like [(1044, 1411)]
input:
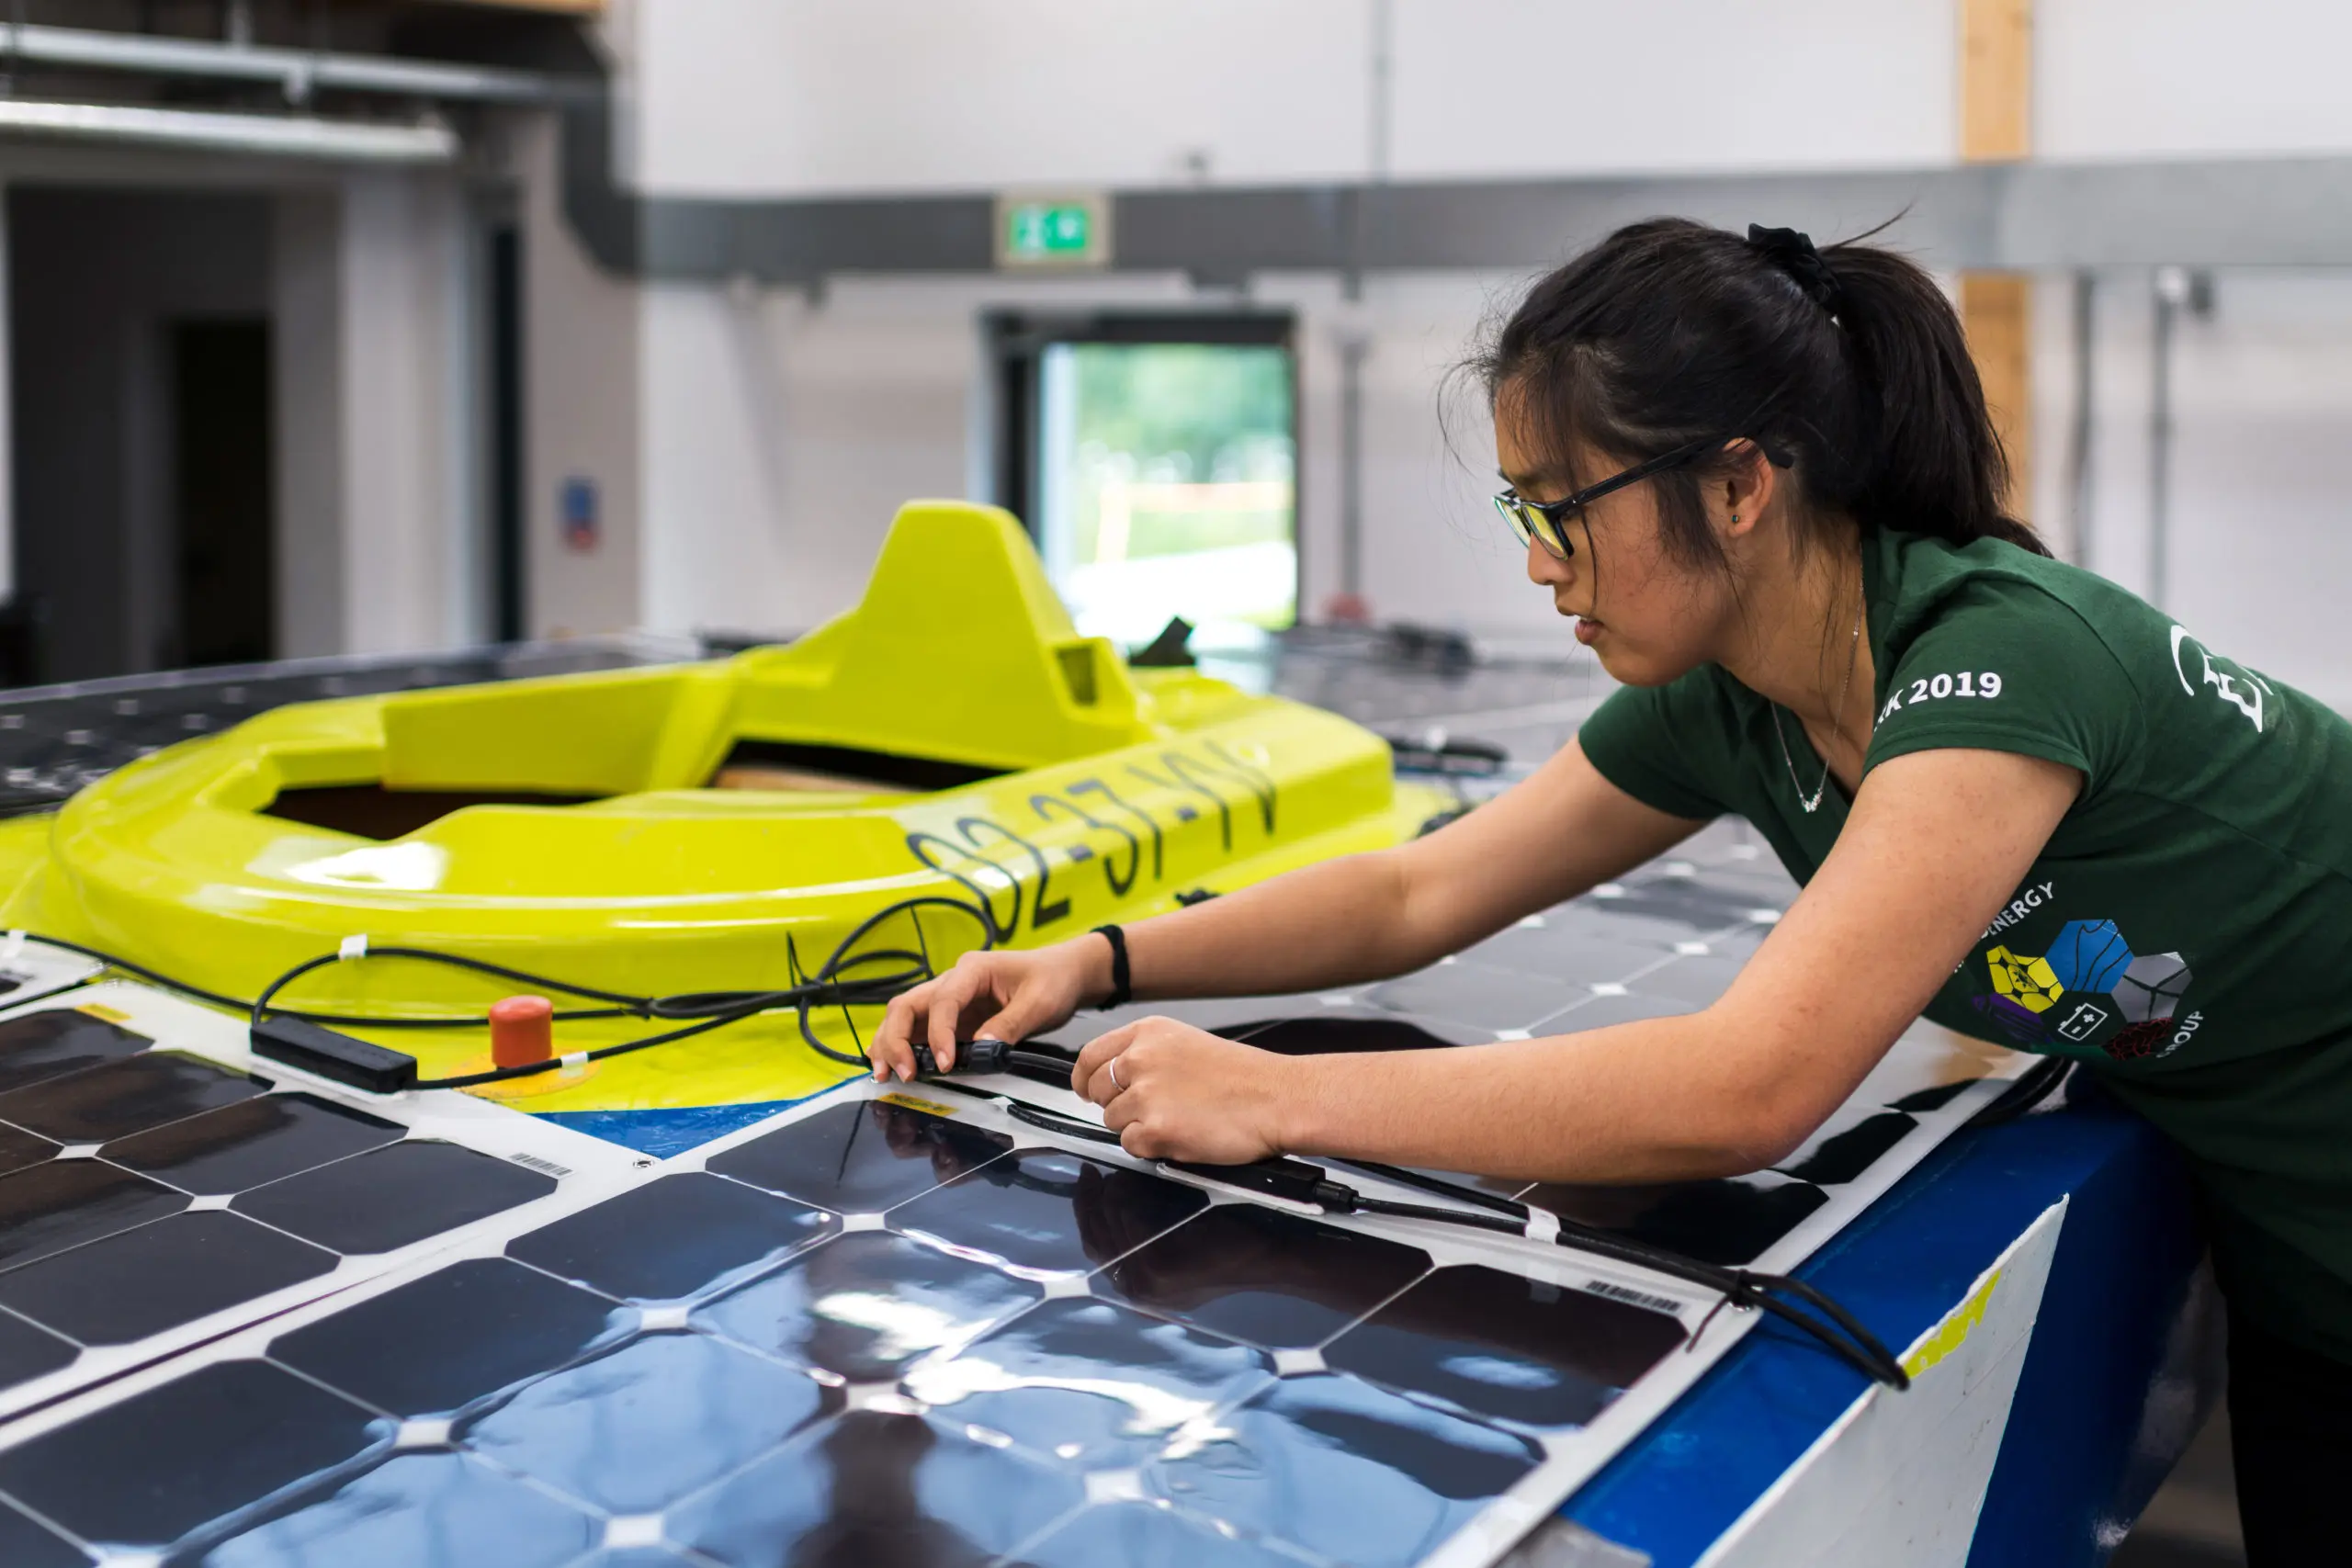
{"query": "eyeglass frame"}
[(1519, 512)]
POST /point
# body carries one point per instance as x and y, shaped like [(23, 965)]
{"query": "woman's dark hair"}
[(1847, 365)]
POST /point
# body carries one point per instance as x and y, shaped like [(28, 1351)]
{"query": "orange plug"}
[(522, 1031)]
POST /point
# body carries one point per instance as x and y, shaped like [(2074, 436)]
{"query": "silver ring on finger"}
[(1114, 1070)]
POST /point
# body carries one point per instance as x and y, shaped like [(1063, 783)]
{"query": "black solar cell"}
[(455, 1335), (247, 1145), (675, 1236), (861, 1158), (393, 1196), (1040, 1213), (115, 1099), (867, 1304), (1263, 1276), (159, 1276)]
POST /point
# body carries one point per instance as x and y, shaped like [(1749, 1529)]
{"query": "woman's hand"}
[(990, 995), (1172, 1091)]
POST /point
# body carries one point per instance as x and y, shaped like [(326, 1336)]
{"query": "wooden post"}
[(1996, 308)]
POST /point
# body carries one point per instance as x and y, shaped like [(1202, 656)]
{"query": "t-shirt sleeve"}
[(2008, 668), (1664, 746)]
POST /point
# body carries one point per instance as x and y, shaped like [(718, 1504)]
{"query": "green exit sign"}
[(1050, 232)]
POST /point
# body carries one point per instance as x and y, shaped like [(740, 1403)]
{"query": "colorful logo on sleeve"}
[(2090, 988)]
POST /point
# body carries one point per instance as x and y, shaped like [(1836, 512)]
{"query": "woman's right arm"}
[(1340, 922)]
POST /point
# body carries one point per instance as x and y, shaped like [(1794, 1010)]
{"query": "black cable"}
[(2030, 1087), (1844, 1336), (701, 1011)]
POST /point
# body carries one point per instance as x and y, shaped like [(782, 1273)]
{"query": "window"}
[(1164, 474)]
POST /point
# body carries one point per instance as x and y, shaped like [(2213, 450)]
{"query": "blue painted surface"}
[(665, 1133), (2067, 1464)]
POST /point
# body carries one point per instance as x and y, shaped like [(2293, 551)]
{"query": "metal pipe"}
[(300, 136), (297, 71), (1355, 346), (2172, 292), (2082, 434)]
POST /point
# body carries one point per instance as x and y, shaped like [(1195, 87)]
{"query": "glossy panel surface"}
[(882, 1490), (1346, 1471), (27, 1351), (1704, 904), (103, 1103), (1146, 1535), (641, 1425), (451, 1337), (675, 1236), (1576, 952), (415, 1509), (1087, 1382), (19, 1148), (1041, 1212), (154, 1467), (69, 1201), (393, 1196), (247, 1145), (1501, 1345), (865, 1304), (1730, 1220), (1473, 994), (860, 1158), (1263, 1276), (24, 1544), (159, 1276), (57, 1041)]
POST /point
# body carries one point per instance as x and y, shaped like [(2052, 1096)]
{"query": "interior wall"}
[(96, 275), (2124, 78), (2256, 550), (582, 332)]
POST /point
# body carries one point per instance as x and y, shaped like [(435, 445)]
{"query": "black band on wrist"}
[(1122, 990)]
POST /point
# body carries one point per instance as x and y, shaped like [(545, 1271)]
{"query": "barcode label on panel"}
[(544, 1166), (1615, 1293)]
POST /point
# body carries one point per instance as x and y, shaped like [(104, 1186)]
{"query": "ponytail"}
[(1846, 366)]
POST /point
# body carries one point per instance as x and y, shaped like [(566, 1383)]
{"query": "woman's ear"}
[(1744, 493)]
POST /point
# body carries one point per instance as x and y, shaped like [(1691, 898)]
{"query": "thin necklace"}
[(1813, 803)]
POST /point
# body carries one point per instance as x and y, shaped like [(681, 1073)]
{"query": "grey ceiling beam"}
[(297, 71), (2236, 212)]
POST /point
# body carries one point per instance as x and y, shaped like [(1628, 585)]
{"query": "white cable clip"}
[(352, 947), (572, 1061), (1543, 1225), (15, 945)]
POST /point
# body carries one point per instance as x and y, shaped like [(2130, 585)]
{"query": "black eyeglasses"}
[(1541, 520)]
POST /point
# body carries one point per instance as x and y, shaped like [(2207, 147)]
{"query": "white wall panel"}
[(2125, 78), (753, 97), (1538, 87)]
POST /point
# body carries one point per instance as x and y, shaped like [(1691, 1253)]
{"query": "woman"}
[(1762, 480)]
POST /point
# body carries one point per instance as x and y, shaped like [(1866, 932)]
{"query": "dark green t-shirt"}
[(2187, 931)]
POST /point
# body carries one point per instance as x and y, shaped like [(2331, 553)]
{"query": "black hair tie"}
[(1793, 252)]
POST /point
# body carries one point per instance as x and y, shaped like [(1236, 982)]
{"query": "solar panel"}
[(158, 1186), (909, 1327)]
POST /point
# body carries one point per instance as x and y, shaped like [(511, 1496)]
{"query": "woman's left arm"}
[(1936, 842)]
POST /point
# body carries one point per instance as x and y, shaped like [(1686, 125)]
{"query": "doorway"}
[(226, 609), (1155, 460), (143, 473)]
